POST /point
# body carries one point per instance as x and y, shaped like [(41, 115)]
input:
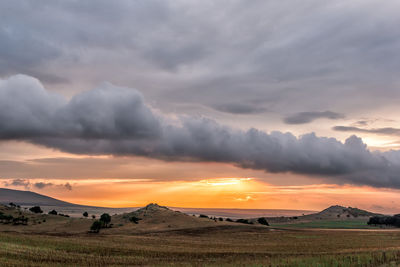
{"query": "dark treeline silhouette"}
[(385, 220)]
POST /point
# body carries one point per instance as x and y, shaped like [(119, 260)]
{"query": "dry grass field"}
[(238, 245), (168, 238)]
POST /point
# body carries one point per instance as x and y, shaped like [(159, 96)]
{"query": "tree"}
[(53, 212), (36, 209), (263, 221), (96, 226), (93, 216), (105, 218), (134, 219), (85, 214)]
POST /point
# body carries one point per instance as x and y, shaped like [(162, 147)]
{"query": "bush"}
[(245, 221), (203, 216), (36, 209), (229, 220), (96, 226), (53, 212), (105, 218), (85, 214), (134, 219), (263, 221)]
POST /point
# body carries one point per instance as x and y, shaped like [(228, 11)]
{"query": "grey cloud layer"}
[(306, 117), (379, 131), (117, 121), (290, 56)]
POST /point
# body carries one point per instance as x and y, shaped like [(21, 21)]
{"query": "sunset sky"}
[(223, 104)]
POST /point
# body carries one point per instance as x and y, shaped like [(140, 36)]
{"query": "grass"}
[(243, 246), (348, 224)]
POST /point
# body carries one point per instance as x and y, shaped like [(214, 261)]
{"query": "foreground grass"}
[(205, 247)]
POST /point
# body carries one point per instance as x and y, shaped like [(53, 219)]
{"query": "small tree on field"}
[(36, 209), (96, 226), (85, 214), (105, 218)]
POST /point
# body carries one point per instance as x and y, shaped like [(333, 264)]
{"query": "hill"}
[(28, 198), (154, 217), (333, 213)]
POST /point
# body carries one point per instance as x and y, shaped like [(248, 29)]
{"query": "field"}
[(210, 246)]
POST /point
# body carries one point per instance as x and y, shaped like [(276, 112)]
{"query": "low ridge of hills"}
[(28, 198)]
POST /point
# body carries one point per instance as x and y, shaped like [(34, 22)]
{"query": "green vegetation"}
[(338, 224)]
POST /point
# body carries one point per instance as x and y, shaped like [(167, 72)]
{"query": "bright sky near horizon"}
[(234, 104)]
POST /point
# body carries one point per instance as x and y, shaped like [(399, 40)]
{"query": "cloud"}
[(379, 131), (112, 120), (18, 182), (306, 117), (41, 185), (68, 186), (316, 56), (239, 108)]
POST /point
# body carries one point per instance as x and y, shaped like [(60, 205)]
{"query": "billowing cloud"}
[(306, 117), (117, 121), (379, 131)]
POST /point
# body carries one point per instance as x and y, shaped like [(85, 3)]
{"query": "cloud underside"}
[(379, 131), (117, 121), (306, 117)]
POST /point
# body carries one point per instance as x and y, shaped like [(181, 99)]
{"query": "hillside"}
[(159, 218), (28, 198), (332, 213)]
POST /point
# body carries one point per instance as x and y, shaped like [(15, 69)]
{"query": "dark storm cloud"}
[(116, 121), (290, 55), (379, 131), (306, 117)]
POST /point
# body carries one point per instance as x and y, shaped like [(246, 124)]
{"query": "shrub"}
[(36, 209), (85, 214), (245, 221), (229, 220), (134, 219), (105, 218), (96, 226), (203, 216), (53, 212), (263, 221)]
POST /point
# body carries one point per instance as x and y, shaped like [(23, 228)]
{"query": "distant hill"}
[(26, 198), (339, 211), (335, 212)]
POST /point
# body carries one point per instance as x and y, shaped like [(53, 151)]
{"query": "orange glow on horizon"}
[(245, 193)]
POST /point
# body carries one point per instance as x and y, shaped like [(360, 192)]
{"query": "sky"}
[(230, 104)]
